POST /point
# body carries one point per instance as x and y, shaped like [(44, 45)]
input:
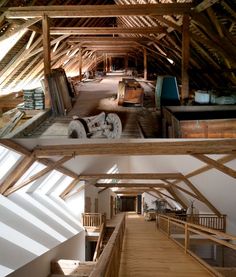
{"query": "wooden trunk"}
[(199, 121)]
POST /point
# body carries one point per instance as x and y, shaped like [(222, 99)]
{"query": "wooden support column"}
[(46, 56), (126, 63), (80, 63), (96, 60), (104, 63), (145, 63), (107, 65), (185, 57), (110, 63)]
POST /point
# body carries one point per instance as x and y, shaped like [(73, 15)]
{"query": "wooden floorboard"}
[(147, 252), (93, 98)]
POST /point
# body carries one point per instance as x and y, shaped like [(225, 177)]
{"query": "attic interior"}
[(166, 68), (90, 94), (99, 208)]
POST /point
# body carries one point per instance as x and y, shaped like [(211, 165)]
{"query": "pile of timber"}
[(15, 118), (34, 99), (60, 92)]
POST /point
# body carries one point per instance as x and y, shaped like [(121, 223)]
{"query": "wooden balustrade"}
[(99, 243), (172, 226), (93, 219), (206, 220), (109, 261)]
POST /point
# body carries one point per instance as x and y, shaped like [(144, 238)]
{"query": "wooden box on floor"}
[(199, 121)]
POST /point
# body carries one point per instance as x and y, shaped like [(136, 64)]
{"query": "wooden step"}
[(64, 267)]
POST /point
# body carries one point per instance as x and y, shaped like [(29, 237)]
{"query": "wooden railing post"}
[(168, 227), (186, 240)]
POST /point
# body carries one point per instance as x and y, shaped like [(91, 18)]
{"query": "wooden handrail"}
[(207, 233), (208, 220), (99, 243), (109, 261), (93, 219)]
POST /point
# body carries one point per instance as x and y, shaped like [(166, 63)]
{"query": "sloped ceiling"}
[(212, 49), (217, 187)]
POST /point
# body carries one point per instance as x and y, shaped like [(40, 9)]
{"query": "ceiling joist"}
[(70, 11)]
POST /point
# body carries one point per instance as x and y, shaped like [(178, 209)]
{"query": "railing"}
[(188, 235), (99, 243), (93, 219), (109, 261), (206, 220)]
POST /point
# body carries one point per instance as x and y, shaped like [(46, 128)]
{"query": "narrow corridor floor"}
[(148, 253)]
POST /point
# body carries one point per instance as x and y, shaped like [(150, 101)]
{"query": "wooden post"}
[(185, 57), (110, 63), (104, 63), (46, 57), (186, 240), (168, 227), (145, 63), (126, 63), (80, 63), (96, 60)]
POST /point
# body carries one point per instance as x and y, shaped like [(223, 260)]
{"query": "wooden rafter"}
[(19, 28), (221, 146), (176, 197), (17, 173), (205, 4), (37, 175), (166, 197), (185, 57), (10, 144), (182, 189), (202, 197), (215, 164), (69, 188), (102, 190), (99, 10), (160, 197)]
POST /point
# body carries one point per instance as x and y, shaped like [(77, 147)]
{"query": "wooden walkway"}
[(147, 252)]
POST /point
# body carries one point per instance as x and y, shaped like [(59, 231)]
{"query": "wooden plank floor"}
[(147, 252), (100, 95)]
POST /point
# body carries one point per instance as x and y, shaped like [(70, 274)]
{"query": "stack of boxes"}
[(34, 99)]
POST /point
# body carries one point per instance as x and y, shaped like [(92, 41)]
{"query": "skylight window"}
[(9, 42), (8, 160), (35, 168)]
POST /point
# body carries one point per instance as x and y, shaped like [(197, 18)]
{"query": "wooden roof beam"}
[(88, 39), (10, 144), (17, 173), (27, 24), (69, 188), (182, 189), (176, 197), (134, 176), (160, 197), (205, 4), (149, 147), (104, 30), (226, 170), (202, 197), (71, 11), (37, 175), (131, 185)]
